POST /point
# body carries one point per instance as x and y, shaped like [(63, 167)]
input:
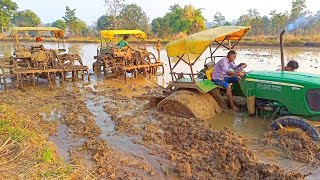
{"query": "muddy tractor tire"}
[(297, 122), (190, 103)]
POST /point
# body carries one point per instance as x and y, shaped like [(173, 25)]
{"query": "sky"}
[(91, 10)]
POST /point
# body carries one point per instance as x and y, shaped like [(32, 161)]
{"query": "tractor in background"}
[(115, 62)]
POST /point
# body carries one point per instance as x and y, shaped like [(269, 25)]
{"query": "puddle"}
[(50, 113), (120, 143), (240, 124), (65, 142), (314, 176)]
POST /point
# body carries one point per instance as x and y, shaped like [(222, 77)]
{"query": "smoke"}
[(300, 22)]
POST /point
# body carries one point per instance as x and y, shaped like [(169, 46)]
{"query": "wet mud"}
[(296, 143), (107, 128)]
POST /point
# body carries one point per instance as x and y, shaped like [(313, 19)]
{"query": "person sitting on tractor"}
[(291, 66), (226, 72), (124, 42), (38, 39)]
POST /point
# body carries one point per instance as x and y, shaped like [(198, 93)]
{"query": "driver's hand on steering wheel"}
[(241, 74)]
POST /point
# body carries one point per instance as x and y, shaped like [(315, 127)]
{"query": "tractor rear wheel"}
[(190, 103), (297, 122)]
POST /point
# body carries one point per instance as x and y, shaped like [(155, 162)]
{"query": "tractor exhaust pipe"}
[(282, 50)]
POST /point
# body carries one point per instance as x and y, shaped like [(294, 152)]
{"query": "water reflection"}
[(240, 124), (75, 48)]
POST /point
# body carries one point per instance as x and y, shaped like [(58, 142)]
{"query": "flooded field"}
[(99, 125)]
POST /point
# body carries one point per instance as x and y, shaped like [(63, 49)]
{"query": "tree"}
[(176, 20), (133, 17), (7, 9), (160, 27), (188, 20), (79, 28), (113, 9), (59, 24), (297, 9), (26, 18), (253, 19), (105, 22), (218, 19), (70, 18), (278, 21), (196, 22)]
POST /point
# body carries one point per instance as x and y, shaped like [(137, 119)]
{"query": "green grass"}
[(4, 124), (17, 134), (61, 172), (46, 155)]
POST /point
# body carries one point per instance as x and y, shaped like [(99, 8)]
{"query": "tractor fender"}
[(298, 122)]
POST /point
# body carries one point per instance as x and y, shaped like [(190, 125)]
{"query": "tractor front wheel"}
[(296, 122)]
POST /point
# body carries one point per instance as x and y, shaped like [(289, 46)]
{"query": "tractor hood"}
[(298, 92), (285, 78)]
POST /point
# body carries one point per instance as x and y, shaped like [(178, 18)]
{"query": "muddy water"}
[(240, 123)]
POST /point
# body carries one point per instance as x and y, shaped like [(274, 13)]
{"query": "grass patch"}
[(17, 134), (46, 155), (24, 144), (4, 124), (61, 172)]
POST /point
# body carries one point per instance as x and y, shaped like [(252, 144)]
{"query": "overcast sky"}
[(91, 10)]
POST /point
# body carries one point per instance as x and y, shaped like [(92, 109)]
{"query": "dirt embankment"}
[(195, 151)]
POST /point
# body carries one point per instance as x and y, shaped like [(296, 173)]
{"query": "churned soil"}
[(296, 143), (121, 134)]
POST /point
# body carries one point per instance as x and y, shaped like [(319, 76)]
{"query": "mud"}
[(296, 143), (195, 151), (113, 133), (190, 104)]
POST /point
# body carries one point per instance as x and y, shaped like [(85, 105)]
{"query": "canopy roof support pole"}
[(171, 69), (211, 55), (220, 44), (100, 39), (282, 50), (196, 59), (236, 43), (180, 58), (193, 79)]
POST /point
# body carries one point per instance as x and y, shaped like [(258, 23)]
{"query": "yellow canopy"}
[(109, 34), (197, 43), (58, 33)]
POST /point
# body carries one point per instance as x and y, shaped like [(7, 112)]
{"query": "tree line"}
[(177, 21)]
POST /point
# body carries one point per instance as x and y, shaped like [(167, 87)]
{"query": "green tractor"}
[(291, 99)]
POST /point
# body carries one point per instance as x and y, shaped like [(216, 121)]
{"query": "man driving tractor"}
[(124, 42), (226, 72)]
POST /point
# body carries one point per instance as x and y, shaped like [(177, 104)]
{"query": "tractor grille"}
[(313, 99)]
